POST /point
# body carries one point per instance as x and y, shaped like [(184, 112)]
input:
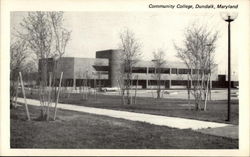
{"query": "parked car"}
[(110, 89)]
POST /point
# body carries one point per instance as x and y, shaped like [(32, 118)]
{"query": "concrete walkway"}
[(174, 122), (230, 131)]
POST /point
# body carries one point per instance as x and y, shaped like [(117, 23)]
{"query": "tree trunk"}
[(24, 96), (49, 96), (16, 92), (136, 90), (57, 98), (205, 106)]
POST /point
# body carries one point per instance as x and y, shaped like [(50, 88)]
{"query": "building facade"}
[(106, 71)]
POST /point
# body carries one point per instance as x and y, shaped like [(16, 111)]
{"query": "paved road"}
[(174, 122)]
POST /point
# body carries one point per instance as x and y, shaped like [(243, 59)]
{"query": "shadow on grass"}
[(86, 131)]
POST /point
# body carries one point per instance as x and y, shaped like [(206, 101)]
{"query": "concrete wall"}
[(115, 66), (66, 65), (83, 68)]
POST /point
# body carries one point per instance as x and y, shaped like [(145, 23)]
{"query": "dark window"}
[(179, 82), (151, 70), (173, 71), (101, 68), (165, 70), (157, 70), (195, 71), (152, 82), (139, 70), (184, 71)]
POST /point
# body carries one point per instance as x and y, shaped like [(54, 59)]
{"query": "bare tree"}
[(30, 73), (159, 61), (18, 55), (197, 53), (46, 37), (61, 37), (131, 51), (38, 33)]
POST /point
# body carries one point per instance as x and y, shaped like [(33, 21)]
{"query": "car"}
[(110, 89)]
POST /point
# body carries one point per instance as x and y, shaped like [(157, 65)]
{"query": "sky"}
[(94, 31)]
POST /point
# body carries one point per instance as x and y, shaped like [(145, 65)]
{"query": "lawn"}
[(216, 109), (81, 130)]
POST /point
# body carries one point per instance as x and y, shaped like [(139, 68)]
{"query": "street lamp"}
[(229, 18)]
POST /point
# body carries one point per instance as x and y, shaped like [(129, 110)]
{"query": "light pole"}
[(229, 18)]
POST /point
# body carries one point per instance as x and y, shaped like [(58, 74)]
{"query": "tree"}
[(197, 53), (61, 38), (46, 37), (61, 35), (18, 55), (30, 71), (131, 51), (158, 61)]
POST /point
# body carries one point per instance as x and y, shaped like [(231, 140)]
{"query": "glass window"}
[(174, 71), (184, 71), (151, 70), (101, 68), (195, 71), (165, 70), (139, 70)]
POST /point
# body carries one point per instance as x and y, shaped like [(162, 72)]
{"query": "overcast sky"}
[(94, 31)]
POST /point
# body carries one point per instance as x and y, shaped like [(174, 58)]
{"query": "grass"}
[(216, 109), (81, 130)]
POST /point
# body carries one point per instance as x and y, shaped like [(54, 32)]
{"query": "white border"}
[(117, 5)]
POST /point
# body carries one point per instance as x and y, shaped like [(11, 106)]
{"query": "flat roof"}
[(140, 63)]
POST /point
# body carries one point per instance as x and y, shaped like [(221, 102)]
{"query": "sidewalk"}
[(214, 128)]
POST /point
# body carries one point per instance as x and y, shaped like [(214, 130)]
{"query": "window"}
[(139, 70), (165, 70), (157, 70), (195, 71), (151, 70), (184, 71), (101, 68), (174, 71)]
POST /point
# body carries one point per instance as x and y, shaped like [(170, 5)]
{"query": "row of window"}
[(165, 70), (105, 83), (155, 70)]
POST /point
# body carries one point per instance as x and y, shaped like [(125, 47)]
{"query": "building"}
[(105, 71)]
